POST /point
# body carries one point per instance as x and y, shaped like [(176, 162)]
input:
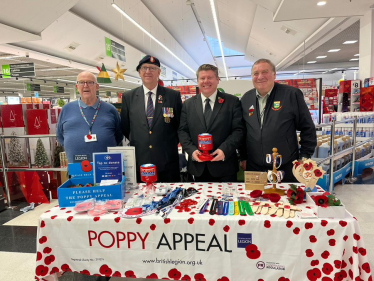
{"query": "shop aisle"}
[(18, 237)]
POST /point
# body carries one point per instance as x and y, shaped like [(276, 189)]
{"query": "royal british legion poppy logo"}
[(152, 59)]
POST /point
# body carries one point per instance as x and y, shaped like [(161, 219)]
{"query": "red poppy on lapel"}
[(251, 110), (220, 100)]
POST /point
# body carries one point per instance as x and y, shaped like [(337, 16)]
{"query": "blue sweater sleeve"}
[(59, 129)]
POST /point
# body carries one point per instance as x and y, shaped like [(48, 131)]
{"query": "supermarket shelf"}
[(359, 125)]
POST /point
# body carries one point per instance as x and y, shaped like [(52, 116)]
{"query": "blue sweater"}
[(71, 129)]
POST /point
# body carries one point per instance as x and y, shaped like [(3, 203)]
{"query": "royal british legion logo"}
[(148, 173), (244, 239)]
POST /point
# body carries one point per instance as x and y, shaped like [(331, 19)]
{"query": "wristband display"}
[(213, 207), (225, 208), (236, 208), (248, 208), (242, 208), (220, 208), (231, 208)]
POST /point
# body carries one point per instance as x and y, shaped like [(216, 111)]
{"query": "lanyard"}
[(94, 117)]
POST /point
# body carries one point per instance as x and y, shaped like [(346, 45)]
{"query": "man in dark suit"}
[(150, 118), (218, 114), (273, 113)]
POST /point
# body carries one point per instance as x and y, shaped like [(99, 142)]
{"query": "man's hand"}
[(218, 155), (243, 165), (195, 155)]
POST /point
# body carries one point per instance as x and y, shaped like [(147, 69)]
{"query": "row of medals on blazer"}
[(278, 209)]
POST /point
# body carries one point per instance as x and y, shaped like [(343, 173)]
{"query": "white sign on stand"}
[(128, 156)]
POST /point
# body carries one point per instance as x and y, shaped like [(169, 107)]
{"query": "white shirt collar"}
[(146, 90), (267, 95), (212, 97)]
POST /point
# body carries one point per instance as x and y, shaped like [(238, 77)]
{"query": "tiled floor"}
[(18, 242)]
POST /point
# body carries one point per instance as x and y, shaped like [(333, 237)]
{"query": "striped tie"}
[(150, 109)]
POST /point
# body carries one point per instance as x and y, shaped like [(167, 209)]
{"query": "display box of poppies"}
[(322, 209), (80, 186)]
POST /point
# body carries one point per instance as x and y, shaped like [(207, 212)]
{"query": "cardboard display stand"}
[(83, 173)]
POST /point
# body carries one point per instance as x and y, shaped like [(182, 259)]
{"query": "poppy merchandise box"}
[(82, 174), (337, 212)]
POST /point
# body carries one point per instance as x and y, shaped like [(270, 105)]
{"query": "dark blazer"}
[(226, 127), (285, 113), (159, 144)]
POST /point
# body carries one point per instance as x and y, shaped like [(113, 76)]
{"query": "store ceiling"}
[(289, 32)]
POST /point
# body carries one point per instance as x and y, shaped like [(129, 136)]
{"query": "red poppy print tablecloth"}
[(191, 246)]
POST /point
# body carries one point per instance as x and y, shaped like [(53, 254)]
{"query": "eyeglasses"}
[(150, 68), (89, 83)]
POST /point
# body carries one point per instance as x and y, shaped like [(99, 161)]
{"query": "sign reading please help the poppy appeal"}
[(190, 246)]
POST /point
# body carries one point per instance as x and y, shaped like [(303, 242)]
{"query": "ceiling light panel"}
[(350, 42), (212, 6), (333, 50), (150, 36), (321, 57)]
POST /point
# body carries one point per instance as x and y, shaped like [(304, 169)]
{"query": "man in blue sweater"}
[(88, 124)]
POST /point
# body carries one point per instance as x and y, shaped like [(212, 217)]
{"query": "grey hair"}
[(264, 61)]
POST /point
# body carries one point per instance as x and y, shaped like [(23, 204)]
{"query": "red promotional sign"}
[(53, 116), (345, 86), (37, 122), (310, 92), (367, 99), (186, 91), (12, 115)]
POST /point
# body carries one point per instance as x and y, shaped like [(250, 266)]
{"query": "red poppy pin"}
[(220, 100), (250, 110)]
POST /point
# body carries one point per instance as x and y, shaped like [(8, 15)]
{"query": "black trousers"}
[(167, 176), (207, 177)]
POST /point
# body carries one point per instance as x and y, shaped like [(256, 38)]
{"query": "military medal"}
[(166, 114), (171, 112)]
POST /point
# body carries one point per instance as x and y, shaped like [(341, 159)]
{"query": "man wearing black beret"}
[(150, 118)]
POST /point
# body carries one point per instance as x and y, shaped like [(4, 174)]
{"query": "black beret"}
[(148, 59)]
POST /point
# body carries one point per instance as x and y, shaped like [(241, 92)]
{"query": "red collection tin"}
[(148, 173)]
